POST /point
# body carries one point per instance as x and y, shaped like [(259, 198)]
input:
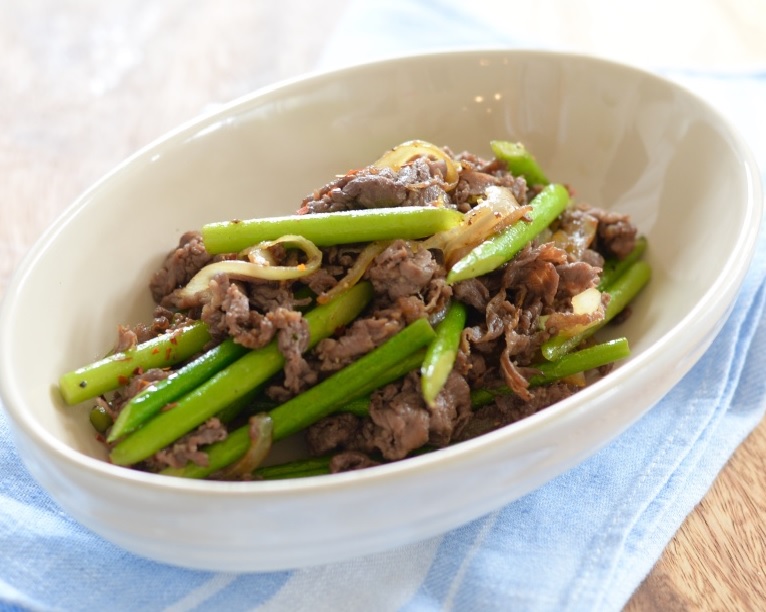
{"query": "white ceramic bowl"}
[(624, 139)]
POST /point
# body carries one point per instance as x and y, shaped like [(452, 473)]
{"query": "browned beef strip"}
[(532, 272), (228, 313), (472, 185), (293, 340), (179, 266), (508, 409), (400, 418), (331, 433), (616, 233), (351, 460), (359, 338), (400, 421), (451, 411), (186, 449), (266, 296), (415, 184), (576, 277), (399, 271), (474, 292), (138, 383)]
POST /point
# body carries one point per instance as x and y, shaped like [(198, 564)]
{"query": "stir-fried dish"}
[(414, 303)]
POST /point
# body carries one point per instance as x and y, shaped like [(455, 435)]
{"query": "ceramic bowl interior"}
[(624, 139)]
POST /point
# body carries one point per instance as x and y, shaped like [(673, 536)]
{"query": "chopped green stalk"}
[(147, 403), (501, 247), (405, 365), (116, 370), (573, 363), (239, 378), (441, 354), (519, 161), (321, 400), (614, 268), (358, 407), (295, 469), (621, 291), (328, 229), (100, 419)]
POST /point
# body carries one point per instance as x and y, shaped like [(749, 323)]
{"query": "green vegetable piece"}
[(573, 363), (100, 419), (295, 469), (501, 247), (147, 403), (319, 401), (239, 378), (116, 370), (328, 229), (621, 291), (441, 354), (360, 402), (614, 268), (519, 161)]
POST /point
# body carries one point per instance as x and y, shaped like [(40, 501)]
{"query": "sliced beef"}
[(400, 418), (228, 314), (450, 412), (399, 271), (473, 292), (138, 383), (575, 278), (473, 184), (400, 421), (351, 460), (293, 340), (616, 233), (359, 338), (179, 266), (187, 448), (418, 183), (337, 431), (508, 409)]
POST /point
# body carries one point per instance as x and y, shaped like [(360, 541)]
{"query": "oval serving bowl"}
[(624, 139)]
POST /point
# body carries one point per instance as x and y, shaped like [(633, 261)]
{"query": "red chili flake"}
[(173, 340), (168, 353), (155, 350), (169, 406), (123, 380)]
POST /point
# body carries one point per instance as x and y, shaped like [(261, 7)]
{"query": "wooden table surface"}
[(84, 84)]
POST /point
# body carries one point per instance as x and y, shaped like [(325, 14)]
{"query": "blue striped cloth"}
[(582, 542)]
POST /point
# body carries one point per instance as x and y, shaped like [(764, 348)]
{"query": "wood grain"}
[(717, 560), (85, 83)]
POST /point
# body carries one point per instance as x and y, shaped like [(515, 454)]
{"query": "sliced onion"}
[(496, 211), (586, 302), (406, 152), (261, 428), (356, 271), (260, 265), (578, 236)]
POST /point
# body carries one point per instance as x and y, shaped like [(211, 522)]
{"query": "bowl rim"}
[(711, 310)]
